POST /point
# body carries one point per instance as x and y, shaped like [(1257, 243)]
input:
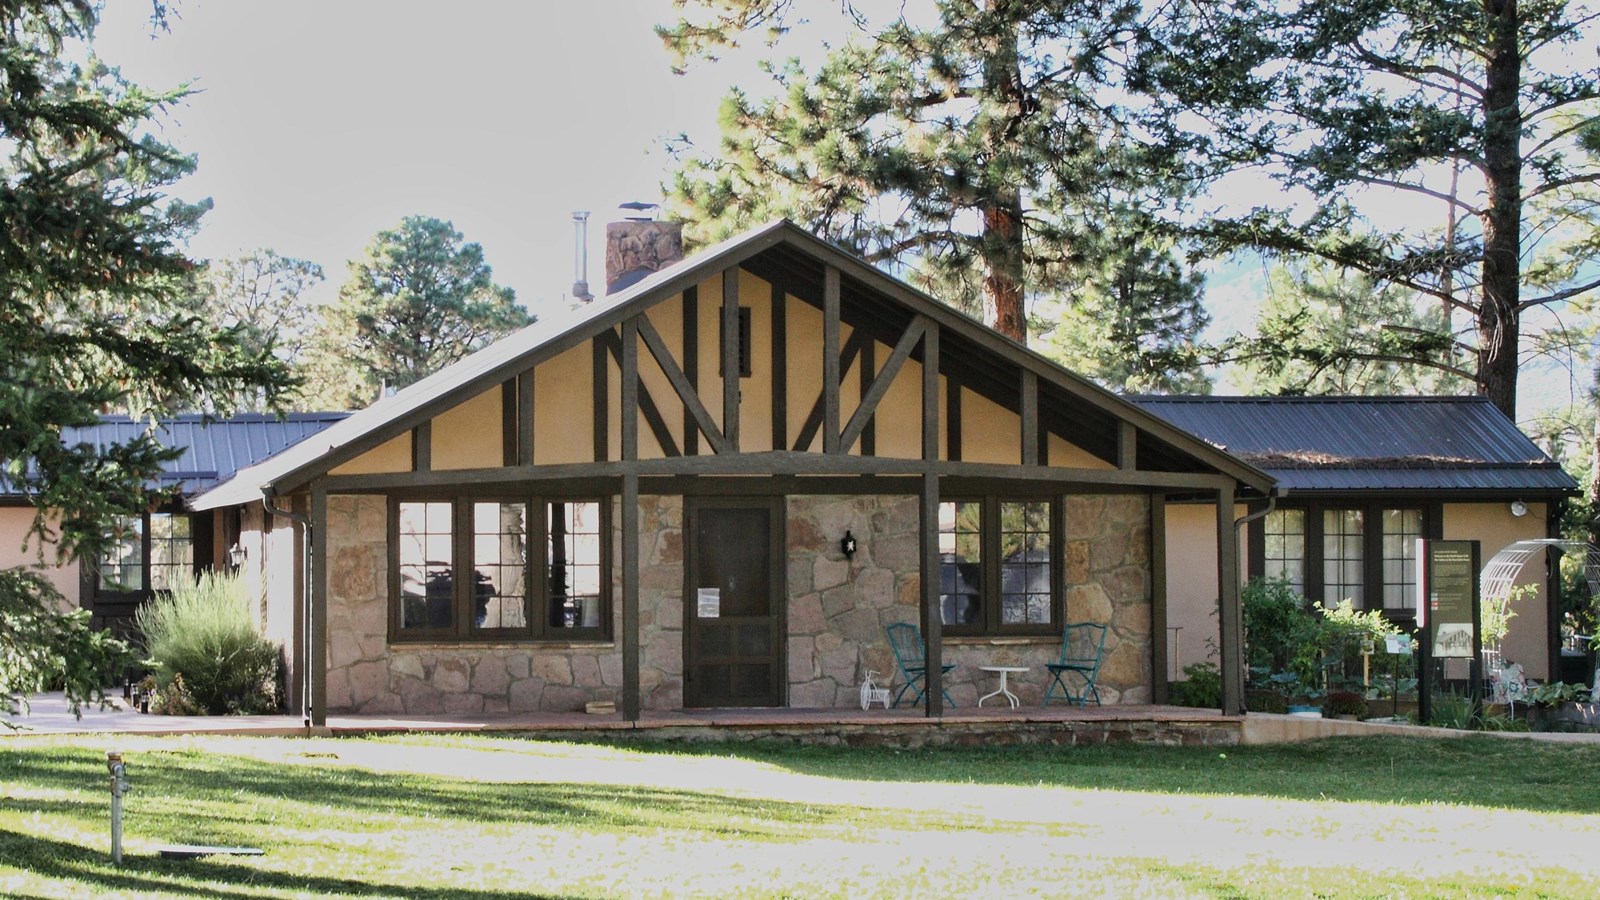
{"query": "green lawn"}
[(429, 816)]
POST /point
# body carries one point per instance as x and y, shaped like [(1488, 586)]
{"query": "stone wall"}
[(366, 674), (839, 608), (837, 612)]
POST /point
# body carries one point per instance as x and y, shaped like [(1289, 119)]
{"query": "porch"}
[(902, 727)]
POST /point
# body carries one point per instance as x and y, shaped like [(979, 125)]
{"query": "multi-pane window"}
[(1025, 583), (996, 570), (498, 569), (1343, 557), (1401, 529), (427, 566), (1364, 553), (1284, 553), (961, 562), (574, 541), (499, 565), (171, 551), (150, 552), (121, 563)]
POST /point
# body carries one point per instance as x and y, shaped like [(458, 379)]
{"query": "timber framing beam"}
[(813, 422), (1029, 397), (680, 382), (830, 360), (730, 357), (782, 462), (881, 384), (646, 405)]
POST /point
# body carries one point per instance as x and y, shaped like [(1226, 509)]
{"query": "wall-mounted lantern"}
[(847, 544), (236, 556)]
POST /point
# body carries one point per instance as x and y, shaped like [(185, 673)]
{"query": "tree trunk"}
[(1498, 315), (1002, 242), (1002, 269)]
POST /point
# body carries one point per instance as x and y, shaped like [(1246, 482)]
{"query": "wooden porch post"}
[(317, 652), (630, 597), (1230, 615), (1159, 661), (928, 529)]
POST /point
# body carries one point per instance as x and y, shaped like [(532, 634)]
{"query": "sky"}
[(317, 124)]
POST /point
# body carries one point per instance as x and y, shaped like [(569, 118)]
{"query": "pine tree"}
[(1482, 107), (958, 147), (419, 299)]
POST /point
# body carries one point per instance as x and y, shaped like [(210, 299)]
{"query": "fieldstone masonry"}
[(838, 608), (837, 612)]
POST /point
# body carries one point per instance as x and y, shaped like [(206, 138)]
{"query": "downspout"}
[(305, 623), (1239, 523)]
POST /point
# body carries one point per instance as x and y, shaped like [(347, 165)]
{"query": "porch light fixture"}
[(847, 544), (1518, 508), (236, 556)]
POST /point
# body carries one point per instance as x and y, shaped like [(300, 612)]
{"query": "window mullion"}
[(1372, 537), (991, 542), (539, 559), (1058, 562), (465, 568), (144, 563)]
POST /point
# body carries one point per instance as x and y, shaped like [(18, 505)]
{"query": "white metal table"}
[(1004, 672)]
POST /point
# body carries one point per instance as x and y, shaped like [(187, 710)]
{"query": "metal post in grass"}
[(119, 786)]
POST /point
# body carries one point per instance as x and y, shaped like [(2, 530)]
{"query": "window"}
[(996, 566), (1343, 575), (1365, 552), (1285, 553), (1401, 529), (492, 570), (121, 565), (151, 552)]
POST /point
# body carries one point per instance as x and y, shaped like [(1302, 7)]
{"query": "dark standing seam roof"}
[(1371, 443), (212, 451)]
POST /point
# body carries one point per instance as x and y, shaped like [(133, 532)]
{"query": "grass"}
[(471, 817)]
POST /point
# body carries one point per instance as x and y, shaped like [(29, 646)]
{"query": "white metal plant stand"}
[(871, 693)]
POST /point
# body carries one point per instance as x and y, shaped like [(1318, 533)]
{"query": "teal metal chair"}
[(906, 642), (1083, 647)]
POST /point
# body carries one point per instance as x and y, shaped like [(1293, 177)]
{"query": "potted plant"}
[(1559, 705), (1345, 705)]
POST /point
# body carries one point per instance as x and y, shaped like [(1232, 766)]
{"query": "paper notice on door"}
[(708, 603)]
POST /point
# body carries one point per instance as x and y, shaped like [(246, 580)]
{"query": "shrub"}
[(1265, 700), (1203, 689), (205, 652), (1345, 703)]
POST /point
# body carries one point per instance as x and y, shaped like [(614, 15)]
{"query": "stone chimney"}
[(639, 246)]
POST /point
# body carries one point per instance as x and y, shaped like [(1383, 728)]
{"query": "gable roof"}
[(1372, 443), (778, 251), (213, 450)]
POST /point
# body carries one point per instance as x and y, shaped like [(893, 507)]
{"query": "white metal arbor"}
[(1500, 572)]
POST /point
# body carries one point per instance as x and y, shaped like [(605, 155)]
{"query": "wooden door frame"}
[(777, 507)]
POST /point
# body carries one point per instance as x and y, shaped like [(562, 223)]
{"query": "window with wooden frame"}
[(1363, 552), (151, 552), (997, 571), (497, 569)]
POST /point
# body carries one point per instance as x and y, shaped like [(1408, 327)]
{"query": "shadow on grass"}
[(93, 872), (1478, 771), (215, 795)]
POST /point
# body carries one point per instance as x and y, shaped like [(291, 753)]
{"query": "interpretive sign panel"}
[(1451, 571)]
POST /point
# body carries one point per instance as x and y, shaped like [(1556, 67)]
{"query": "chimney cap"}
[(642, 211)]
